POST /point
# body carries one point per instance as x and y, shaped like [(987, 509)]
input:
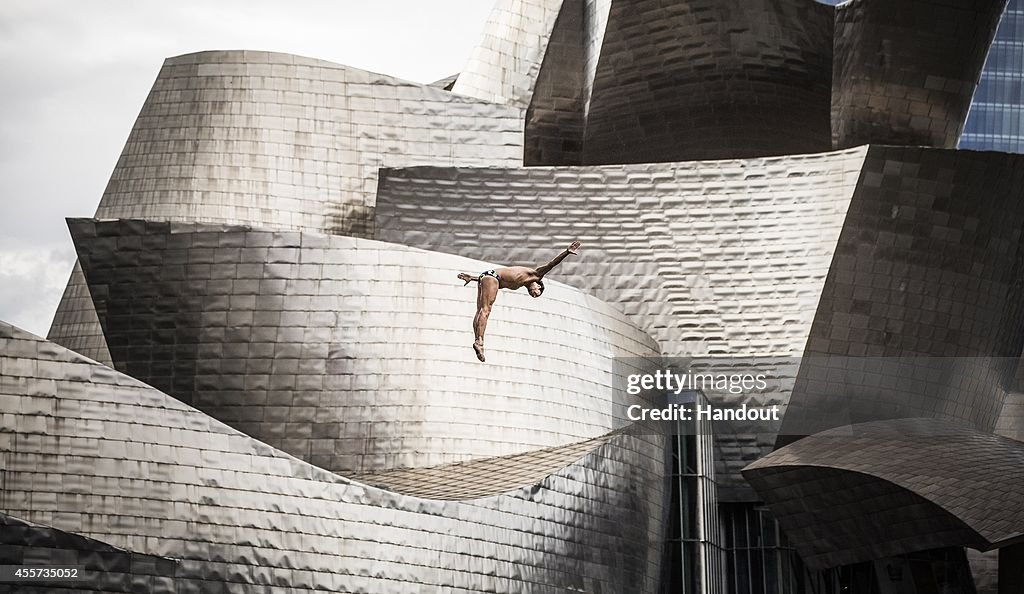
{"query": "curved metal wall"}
[(925, 288), (288, 142), (75, 324), (905, 71), (887, 488), (710, 79), (553, 133), (731, 257), (504, 67), (722, 258), (88, 450), (102, 568), (352, 354), (281, 142)]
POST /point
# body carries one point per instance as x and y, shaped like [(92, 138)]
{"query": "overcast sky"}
[(75, 73)]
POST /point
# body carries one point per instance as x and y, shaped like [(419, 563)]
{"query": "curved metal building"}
[(266, 381), (905, 72), (351, 353), (884, 488), (279, 142), (103, 455)]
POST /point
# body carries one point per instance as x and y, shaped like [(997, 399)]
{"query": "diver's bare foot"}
[(465, 277), (479, 348)]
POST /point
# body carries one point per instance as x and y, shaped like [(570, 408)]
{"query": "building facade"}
[(260, 376)]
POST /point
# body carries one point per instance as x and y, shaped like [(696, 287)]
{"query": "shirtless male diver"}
[(510, 277)]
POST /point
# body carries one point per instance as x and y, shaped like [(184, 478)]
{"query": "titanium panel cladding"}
[(352, 354), (887, 488), (905, 71), (710, 79), (926, 278), (504, 67), (88, 450), (280, 142), (719, 258)]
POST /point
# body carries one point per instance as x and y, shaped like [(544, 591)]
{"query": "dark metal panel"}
[(710, 79), (905, 71), (885, 488), (927, 278)]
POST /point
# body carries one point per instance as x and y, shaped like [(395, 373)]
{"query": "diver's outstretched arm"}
[(558, 259)]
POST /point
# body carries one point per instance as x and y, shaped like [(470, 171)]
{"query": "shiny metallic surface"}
[(288, 142), (926, 279), (75, 324), (556, 118), (1011, 419), (720, 258), (661, 239), (654, 100), (886, 488), (905, 71), (88, 450), (102, 568), (255, 256), (627, 82), (281, 142), (504, 67), (352, 354), (867, 252)]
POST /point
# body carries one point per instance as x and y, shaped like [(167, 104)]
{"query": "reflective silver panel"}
[(713, 258), (91, 451), (710, 79), (281, 142), (926, 283), (730, 258), (349, 353), (504, 67)]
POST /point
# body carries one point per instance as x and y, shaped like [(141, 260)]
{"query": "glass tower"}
[(994, 122)]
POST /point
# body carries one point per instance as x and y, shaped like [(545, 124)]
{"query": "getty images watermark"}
[(800, 396), (678, 392)]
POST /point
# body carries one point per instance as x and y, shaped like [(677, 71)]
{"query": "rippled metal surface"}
[(556, 117), (927, 276), (504, 66), (872, 252), (754, 257), (886, 488), (101, 567), (280, 142), (289, 142), (350, 353), (88, 450), (718, 258), (710, 79)]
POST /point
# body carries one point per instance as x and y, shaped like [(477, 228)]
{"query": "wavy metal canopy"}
[(885, 488)]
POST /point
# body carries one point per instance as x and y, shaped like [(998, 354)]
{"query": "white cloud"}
[(31, 283)]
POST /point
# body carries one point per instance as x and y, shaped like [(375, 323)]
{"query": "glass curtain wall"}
[(994, 122)]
